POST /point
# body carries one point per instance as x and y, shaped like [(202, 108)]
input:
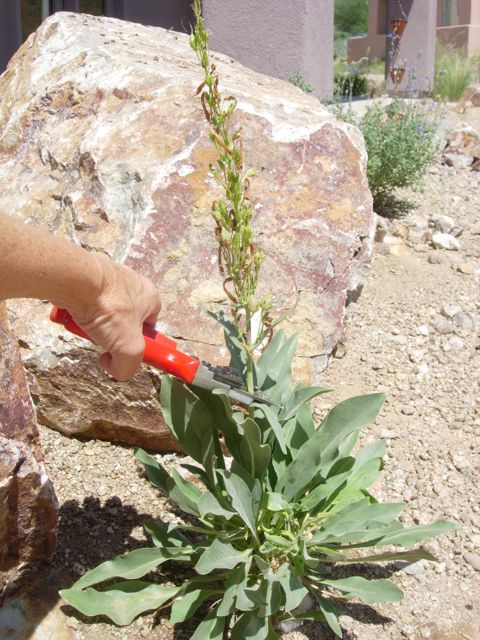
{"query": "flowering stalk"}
[(238, 258)]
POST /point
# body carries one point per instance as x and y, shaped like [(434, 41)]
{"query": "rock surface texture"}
[(28, 506), (102, 140)]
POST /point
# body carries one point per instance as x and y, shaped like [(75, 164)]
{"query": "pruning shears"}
[(161, 352)]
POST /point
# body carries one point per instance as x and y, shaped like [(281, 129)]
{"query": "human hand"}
[(113, 316)]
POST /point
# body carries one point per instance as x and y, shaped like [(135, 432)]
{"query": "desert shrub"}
[(400, 143), (350, 83), (454, 71)]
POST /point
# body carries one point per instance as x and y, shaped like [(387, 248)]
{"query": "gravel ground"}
[(415, 335)]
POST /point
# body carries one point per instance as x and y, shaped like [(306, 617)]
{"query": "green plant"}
[(350, 79), (289, 502), (400, 143), (350, 82), (454, 71), (273, 501), (297, 80)]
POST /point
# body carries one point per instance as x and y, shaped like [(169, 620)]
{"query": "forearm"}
[(110, 302), (36, 264)]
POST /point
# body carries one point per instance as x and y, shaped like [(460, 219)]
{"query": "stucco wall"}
[(276, 38), (169, 14)]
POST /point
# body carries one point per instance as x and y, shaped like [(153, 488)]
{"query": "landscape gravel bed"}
[(415, 334)]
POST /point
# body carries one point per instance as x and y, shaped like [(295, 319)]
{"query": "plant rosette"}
[(269, 530)]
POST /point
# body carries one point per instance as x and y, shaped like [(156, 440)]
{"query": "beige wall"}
[(275, 38)]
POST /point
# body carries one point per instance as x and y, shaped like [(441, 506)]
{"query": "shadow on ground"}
[(88, 534)]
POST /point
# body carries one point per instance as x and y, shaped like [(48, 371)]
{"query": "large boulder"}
[(102, 140), (28, 506)]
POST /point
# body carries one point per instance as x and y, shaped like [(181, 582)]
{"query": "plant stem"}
[(239, 259)]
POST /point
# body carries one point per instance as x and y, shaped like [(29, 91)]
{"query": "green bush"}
[(350, 83), (400, 142), (454, 71)]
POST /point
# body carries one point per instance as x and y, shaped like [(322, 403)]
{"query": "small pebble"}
[(473, 559), (466, 268)]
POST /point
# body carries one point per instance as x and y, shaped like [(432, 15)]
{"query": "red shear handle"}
[(160, 350)]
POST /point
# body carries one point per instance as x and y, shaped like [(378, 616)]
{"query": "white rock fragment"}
[(445, 241)]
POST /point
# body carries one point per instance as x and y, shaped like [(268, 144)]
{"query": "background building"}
[(457, 23)]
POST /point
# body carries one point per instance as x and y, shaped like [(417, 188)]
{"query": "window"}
[(450, 16)]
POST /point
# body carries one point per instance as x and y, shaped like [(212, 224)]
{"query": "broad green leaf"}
[(220, 555), (272, 422), (255, 456), (370, 452), (299, 429), (347, 445), (134, 564), (265, 597), (261, 563), (276, 502), (186, 494), (198, 472), (187, 417), (241, 499), (211, 628), (358, 518), (274, 367), (236, 582), (250, 627), (186, 604), (251, 598), (370, 591), (269, 356), (331, 614), (209, 504), (299, 397), (358, 479), (274, 598), (292, 586), (163, 481), (323, 491), (121, 602), (413, 535), (345, 418), (154, 471), (409, 556), (165, 534), (364, 535), (319, 454), (254, 485)]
